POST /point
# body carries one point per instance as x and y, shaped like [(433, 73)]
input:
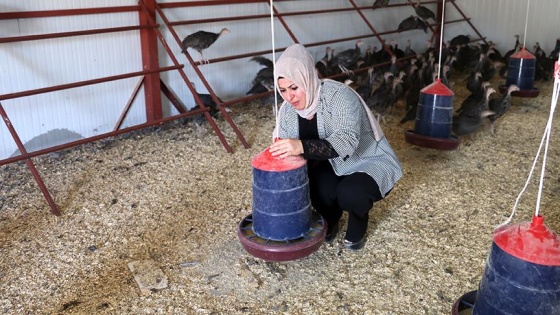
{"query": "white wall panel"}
[(500, 20), (29, 65)]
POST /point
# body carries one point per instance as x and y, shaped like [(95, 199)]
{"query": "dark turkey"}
[(346, 59), (264, 79), (380, 4), (366, 86), (460, 40), (412, 98), (423, 12), (207, 101), (383, 98), (500, 105), (470, 121), (323, 63), (412, 23), (201, 40)]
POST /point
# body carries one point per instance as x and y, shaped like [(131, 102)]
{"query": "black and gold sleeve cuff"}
[(318, 149)]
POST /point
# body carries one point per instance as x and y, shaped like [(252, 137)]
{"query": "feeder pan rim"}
[(534, 92), (282, 252), (448, 144), (464, 302)]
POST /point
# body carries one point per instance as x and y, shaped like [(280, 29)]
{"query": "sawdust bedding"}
[(173, 196)]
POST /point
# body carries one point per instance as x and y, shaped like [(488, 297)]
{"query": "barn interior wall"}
[(92, 110)]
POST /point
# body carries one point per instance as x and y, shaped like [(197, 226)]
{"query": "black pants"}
[(332, 194)]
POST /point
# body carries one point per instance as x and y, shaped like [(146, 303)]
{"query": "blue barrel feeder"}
[(282, 225), (281, 204), (434, 119), (522, 273), (521, 72)]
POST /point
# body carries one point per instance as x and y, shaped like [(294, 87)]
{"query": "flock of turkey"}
[(391, 75)]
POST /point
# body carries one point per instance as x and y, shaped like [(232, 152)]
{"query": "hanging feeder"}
[(521, 72), (282, 226), (434, 119), (522, 273)]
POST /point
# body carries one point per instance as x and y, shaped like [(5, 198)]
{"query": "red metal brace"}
[(30, 165)]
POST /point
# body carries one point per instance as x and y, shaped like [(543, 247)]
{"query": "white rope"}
[(545, 140), (526, 22), (548, 130), (441, 38), (273, 67)]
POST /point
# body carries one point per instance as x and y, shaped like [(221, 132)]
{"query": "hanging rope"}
[(545, 140), (273, 67), (441, 38), (526, 20)]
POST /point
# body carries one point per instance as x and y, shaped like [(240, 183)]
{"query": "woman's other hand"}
[(286, 147)]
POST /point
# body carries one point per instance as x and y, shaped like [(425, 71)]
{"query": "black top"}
[(313, 147)]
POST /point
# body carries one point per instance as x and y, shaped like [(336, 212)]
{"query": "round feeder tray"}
[(271, 250), (450, 143), (521, 93), (464, 305)]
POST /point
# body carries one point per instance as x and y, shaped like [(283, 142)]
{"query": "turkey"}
[(383, 98), (412, 98), (470, 102), (366, 86), (500, 106), (207, 101), (423, 12), (408, 24), (474, 81), (470, 121), (486, 66), (412, 23), (322, 64), (201, 40), (264, 79), (460, 40), (346, 59), (380, 4)]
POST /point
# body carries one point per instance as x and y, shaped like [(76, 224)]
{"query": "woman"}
[(350, 163)]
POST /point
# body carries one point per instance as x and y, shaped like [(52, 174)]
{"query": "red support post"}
[(149, 47)]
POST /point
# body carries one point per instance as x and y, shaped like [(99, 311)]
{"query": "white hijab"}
[(297, 65)]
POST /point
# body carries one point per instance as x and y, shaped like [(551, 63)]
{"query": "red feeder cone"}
[(522, 273)]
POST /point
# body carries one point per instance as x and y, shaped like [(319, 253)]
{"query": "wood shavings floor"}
[(175, 196)]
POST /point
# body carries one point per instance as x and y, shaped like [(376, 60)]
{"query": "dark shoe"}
[(355, 246), (331, 235)]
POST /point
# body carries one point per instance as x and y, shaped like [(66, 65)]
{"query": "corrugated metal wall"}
[(48, 119), (57, 117)]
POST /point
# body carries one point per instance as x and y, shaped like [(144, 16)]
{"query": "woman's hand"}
[(286, 147)]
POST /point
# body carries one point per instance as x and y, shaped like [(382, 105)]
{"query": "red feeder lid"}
[(523, 54), (266, 162), (532, 242), (437, 88)]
